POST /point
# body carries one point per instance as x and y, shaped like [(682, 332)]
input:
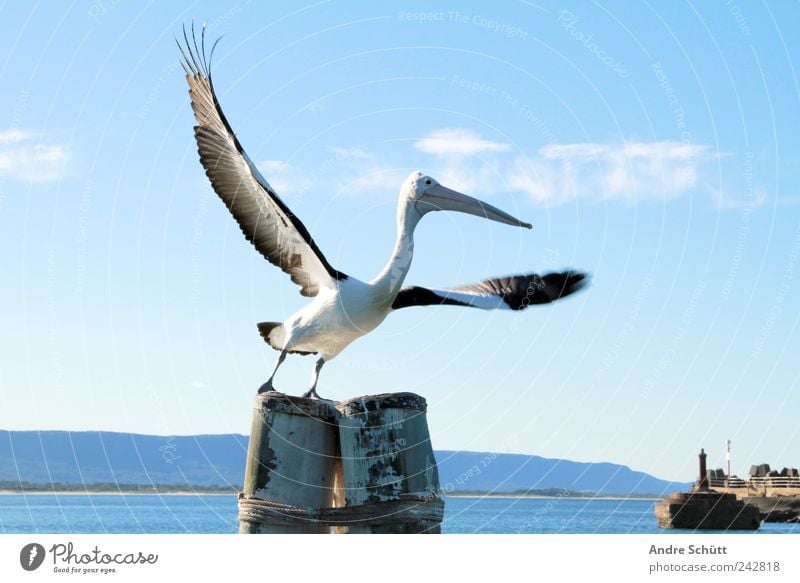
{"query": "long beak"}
[(441, 198)]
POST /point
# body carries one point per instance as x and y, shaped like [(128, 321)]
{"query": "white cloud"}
[(458, 142), (284, 178), (628, 171), (14, 135), (347, 170), (20, 159), (633, 171), (561, 151), (273, 166), (199, 385), (665, 150), (357, 152), (376, 178), (754, 199), (790, 200), (539, 180)]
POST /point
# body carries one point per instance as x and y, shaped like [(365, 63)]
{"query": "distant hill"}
[(86, 457), (102, 456), (505, 472)]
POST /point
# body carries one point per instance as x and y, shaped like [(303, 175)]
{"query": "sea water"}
[(150, 513)]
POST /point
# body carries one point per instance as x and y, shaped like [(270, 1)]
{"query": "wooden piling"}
[(292, 460), (387, 459)]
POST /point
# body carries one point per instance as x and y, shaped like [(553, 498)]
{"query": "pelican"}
[(343, 308)]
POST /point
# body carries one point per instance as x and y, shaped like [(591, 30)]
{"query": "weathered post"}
[(292, 464), (389, 465)]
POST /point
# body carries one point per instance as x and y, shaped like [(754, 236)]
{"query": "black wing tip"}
[(195, 62), (264, 329), (526, 290), (422, 296), (574, 281)]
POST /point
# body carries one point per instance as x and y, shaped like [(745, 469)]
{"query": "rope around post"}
[(409, 508)]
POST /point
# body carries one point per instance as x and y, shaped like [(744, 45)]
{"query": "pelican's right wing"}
[(263, 217), (516, 292)]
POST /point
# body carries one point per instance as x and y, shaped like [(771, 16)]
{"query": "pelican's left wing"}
[(516, 292), (263, 217)]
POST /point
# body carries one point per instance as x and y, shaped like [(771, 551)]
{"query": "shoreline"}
[(113, 493), (218, 493), (599, 497)]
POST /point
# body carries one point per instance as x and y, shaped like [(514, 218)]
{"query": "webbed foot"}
[(266, 387), (311, 394)]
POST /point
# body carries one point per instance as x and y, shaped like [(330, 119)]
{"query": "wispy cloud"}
[(199, 385), (354, 171), (14, 135), (665, 150), (756, 198), (356, 152), (458, 142), (346, 171), (633, 171), (788, 200), (23, 159), (374, 178), (285, 178)]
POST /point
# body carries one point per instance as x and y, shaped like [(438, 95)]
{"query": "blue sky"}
[(653, 145)]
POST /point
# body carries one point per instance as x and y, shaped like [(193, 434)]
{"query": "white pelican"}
[(343, 307)]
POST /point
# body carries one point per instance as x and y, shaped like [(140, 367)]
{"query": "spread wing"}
[(516, 292), (263, 217)]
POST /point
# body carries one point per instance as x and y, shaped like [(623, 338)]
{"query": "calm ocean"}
[(110, 513)]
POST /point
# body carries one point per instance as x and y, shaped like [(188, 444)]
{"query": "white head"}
[(426, 195)]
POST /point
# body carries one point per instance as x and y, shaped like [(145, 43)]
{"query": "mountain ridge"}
[(216, 460)]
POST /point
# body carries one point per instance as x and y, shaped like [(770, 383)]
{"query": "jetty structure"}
[(705, 509), (775, 493)]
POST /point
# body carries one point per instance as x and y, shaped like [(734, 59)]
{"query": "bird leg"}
[(266, 387), (311, 393)]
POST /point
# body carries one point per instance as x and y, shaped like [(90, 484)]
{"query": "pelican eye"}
[(428, 181)]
